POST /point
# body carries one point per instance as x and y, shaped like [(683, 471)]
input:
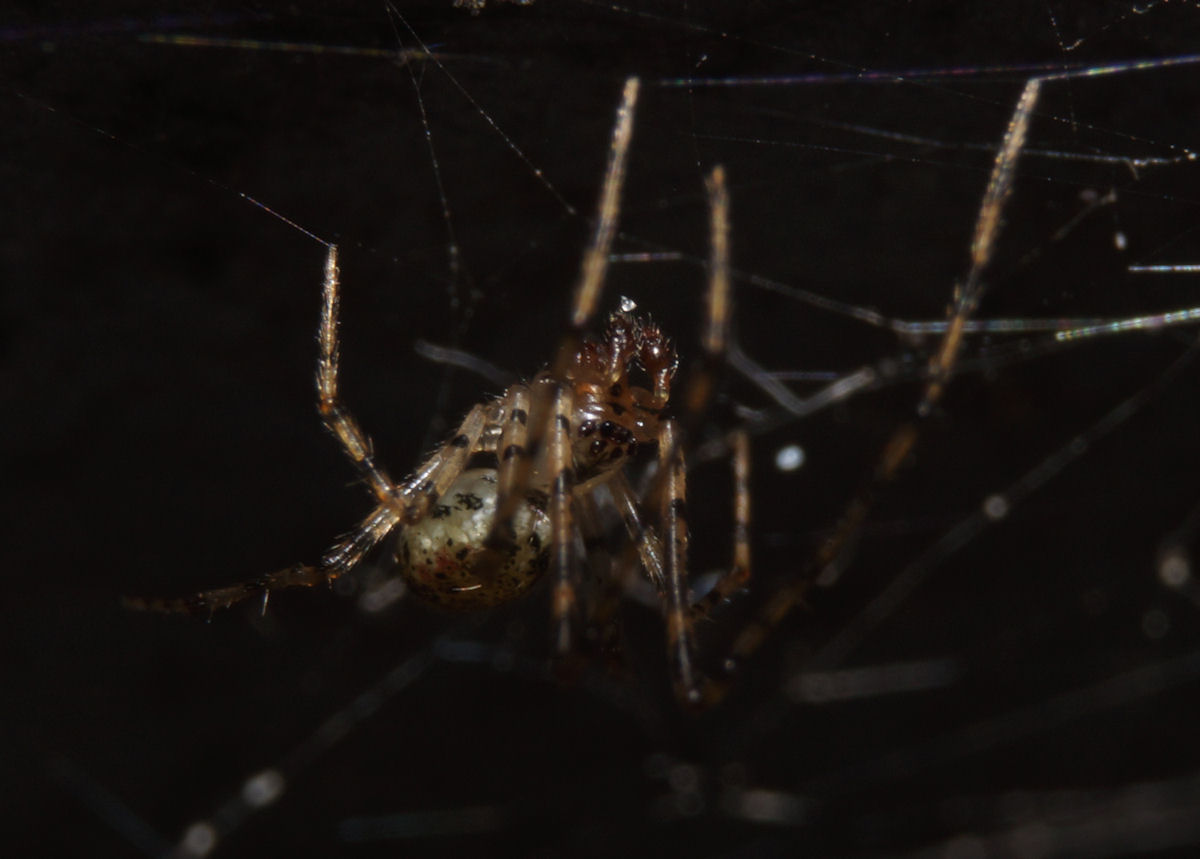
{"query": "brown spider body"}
[(472, 536), (453, 557)]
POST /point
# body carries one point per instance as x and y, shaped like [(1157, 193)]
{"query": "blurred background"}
[(1008, 662)]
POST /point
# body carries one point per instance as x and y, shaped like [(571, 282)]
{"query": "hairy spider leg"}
[(429, 482), (407, 503), (300, 575), (564, 561), (899, 446), (738, 575), (434, 477), (424, 488), (643, 537), (336, 417), (670, 554), (586, 296), (650, 550), (702, 383), (718, 307), (351, 548), (513, 455), (595, 258), (441, 469), (673, 515)]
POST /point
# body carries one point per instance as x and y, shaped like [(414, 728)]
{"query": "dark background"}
[(159, 436)]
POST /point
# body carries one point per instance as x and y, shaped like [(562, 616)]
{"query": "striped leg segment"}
[(340, 559), (429, 482), (513, 453), (333, 412), (739, 573), (967, 296), (649, 546), (673, 513), (564, 562)]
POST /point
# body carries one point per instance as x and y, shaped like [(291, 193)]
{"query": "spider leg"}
[(429, 482), (515, 463), (739, 573), (421, 491), (413, 501), (336, 562), (336, 416), (695, 400), (595, 258), (673, 513), (900, 445), (665, 561), (715, 339), (513, 473), (644, 538), (564, 562), (219, 598), (408, 503)]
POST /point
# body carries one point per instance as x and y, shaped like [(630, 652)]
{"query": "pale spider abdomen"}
[(443, 559)]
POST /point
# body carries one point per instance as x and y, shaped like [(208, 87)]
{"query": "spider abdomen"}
[(443, 557)]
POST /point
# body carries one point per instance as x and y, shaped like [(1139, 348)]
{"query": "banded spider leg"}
[(899, 446)]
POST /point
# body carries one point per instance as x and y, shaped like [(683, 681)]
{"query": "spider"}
[(513, 493)]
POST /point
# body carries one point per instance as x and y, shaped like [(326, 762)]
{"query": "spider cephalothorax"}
[(612, 417)]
